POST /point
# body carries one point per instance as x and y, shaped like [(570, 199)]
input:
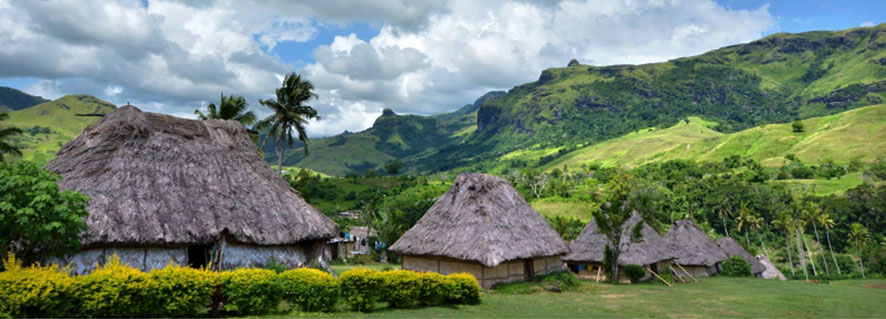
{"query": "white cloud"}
[(429, 56), (867, 24)]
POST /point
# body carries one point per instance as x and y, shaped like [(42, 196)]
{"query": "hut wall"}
[(236, 255), (509, 271), (700, 271), (145, 259)]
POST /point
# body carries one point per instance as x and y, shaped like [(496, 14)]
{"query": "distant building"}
[(484, 227), (195, 192), (733, 248), (694, 250), (352, 243)]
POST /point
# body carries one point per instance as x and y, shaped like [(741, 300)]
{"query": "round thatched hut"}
[(585, 255), (482, 226), (196, 192), (694, 250), (733, 248)]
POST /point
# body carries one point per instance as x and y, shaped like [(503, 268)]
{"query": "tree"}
[(828, 223), (289, 113), (859, 235), (393, 167), (6, 148), (798, 127), (813, 213), (745, 219), (786, 222), (231, 107), (37, 219), (611, 219), (723, 212)]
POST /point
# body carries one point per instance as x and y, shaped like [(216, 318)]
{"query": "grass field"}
[(715, 297)]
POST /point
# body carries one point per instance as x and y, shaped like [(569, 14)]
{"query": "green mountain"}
[(777, 79), (48, 126), (12, 99)]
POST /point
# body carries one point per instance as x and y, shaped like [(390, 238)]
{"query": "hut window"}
[(198, 256)]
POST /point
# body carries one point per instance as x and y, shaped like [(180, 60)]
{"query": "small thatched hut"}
[(165, 188), (695, 251), (771, 272), (586, 252), (733, 248), (482, 226)]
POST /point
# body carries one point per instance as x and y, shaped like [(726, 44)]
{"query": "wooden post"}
[(659, 277), (687, 273), (677, 274), (598, 273)]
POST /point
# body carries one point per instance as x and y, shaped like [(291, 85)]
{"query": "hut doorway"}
[(528, 269), (198, 256)]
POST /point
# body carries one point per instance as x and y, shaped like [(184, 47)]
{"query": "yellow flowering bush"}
[(360, 288), (38, 291), (309, 289), (250, 291), (401, 288), (115, 290), (433, 289), (181, 291), (463, 289)]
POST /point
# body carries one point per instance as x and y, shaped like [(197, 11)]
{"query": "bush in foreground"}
[(360, 289), (35, 291), (735, 266), (634, 272), (309, 289), (250, 291), (181, 291)]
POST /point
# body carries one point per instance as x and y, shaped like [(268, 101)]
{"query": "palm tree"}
[(6, 133), (828, 223), (859, 234), (813, 213), (799, 223), (786, 222), (723, 211), (757, 224), (289, 113), (230, 107), (745, 219)]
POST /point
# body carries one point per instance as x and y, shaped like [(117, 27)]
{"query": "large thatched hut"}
[(694, 250), (585, 255), (482, 226), (196, 192), (733, 248)]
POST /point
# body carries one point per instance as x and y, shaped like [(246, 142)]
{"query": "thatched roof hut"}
[(167, 182), (770, 271), (733, 248), (590, 244), (694, 249), (482, 225)]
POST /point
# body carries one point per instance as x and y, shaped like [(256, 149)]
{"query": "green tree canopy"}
[(290, 112), (5, 133), (230, 107), (36, 219)]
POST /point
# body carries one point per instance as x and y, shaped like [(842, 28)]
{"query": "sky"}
[(413, 56)]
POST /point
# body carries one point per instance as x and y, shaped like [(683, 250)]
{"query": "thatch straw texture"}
[(160, 180), (771, 272), (692, 246), (484, 219), (590, 245), (733, 248)]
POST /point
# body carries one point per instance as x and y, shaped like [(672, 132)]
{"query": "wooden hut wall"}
[(509, 271)]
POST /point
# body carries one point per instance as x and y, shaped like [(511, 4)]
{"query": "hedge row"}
[(117, 290)]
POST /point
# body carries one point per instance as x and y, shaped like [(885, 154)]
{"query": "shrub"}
[(463, 289), (360, 289), (181, 291), (250, 291), (433, 289), (309, 289), (666, 277), (39, 291), (798, 127), (634, 272), (735, 266), (401, 288), (115, 290), (565, 280)]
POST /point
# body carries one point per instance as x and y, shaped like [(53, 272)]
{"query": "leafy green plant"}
[(309, 289), (361, 289), (463, 289), (250, 291), (181, 291), (401, 288), (433, 289), (36, 218), (735, 266), (115, 290), (635, 272), (38, 291)]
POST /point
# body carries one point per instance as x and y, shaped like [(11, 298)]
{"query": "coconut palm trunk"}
[(280, 150), (765, 251), (725, 230), (820, 249), (827, 233), (800, 254), (787, 247), (861, 263), (809, 254), (746, 240)]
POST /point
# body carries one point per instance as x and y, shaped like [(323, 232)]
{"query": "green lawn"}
[(717, 297)]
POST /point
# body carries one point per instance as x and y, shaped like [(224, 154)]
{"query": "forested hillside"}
[(12, 99)]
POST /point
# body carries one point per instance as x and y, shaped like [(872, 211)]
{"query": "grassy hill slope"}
[(48, 126), (853, 135)]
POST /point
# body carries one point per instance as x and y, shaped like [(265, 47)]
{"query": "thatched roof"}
[(733, 248), (770, 271), (484, 219), (692, 246), (155, 179), (590, 244)]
